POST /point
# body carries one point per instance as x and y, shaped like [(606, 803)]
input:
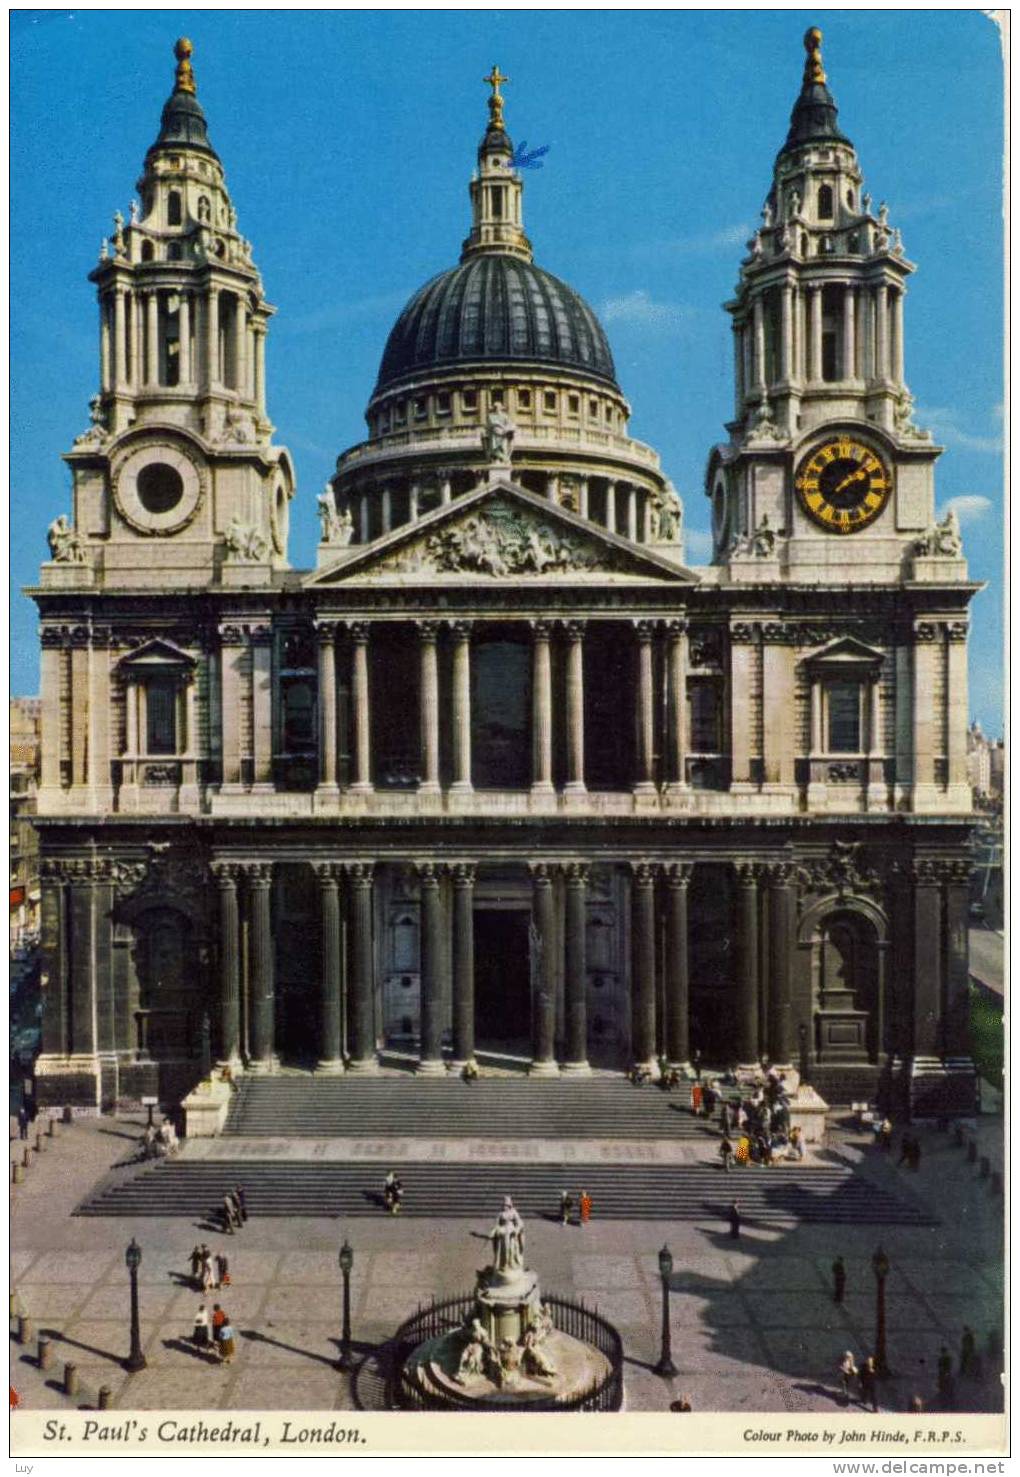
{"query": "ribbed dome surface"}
[(495, 308)]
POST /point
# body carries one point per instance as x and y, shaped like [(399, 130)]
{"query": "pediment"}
[(847, 651), (501, 532), (156, 653)]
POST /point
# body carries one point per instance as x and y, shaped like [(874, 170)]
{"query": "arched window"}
[(825, 202), (850, 199), (173, 251), (148, 251), (173, 208)]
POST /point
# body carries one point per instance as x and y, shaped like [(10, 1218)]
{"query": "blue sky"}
[(349, 138)]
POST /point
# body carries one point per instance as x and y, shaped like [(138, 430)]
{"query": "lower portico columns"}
[(433, 994), (576, 969), (361, 1024), (227, 875), (645, 785), (575, 709), (331, 1060), (461, 707), (359, 692), (677, 993), (429, 698), (463, 964), (541, 710), (782, 909), (746, 1023), (642, 927), (261, 989), (543, 1004)]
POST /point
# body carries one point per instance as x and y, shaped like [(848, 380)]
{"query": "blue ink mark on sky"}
[(522, 159)]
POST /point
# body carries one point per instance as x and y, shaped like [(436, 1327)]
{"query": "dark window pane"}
[(160, 703), (705, 718), (844, 718)]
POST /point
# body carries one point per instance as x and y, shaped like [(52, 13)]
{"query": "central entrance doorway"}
[(502, 981)]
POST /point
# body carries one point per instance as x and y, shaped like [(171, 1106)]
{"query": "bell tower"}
[(177, 475), (825, 475)]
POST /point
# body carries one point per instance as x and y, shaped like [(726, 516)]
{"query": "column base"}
[(679, 796), (544, 1069), (330, 1067), (429, 787), (266, 1066), (367, 1066), (360, 787), (575, 793), (878, 798), (543, 795), (646, 796), (649, 1065), (462, 787), (576, 1069), (326, 797), (684, 1070), (430, 1067)]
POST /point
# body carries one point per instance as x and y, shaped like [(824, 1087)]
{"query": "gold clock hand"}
[(848, 481)]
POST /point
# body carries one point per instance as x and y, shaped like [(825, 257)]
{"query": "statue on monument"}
[(498, 438), (507, 1239)]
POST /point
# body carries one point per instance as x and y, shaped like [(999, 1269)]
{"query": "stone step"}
[(823, 1194)]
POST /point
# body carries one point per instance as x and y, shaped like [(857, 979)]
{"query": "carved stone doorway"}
[(502, 981)]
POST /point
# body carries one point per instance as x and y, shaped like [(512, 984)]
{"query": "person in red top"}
[(219, 1322), (584, 1208), (696, 1096)]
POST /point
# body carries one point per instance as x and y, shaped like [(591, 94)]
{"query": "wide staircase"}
[(823, 1194), (302, 1106)]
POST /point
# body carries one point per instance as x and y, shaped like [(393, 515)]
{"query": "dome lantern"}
[(497, 223)]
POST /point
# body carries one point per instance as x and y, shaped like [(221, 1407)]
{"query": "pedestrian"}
[(200, 1331), (22, 1122), (393, 1192), (222, 1270), (149, 1142), (847, 1371), (885, 1133), (696, 1061), (838, 1280), (227, 1344), (681, 1406), (697, 1095), (734, 1219), (945, 1377), (726, 1152), (218, 1320), (229, 1214), (796, 1142), (241, 1203), (208, 1276), (584, 1208), (710, 1097), (915, 1154), (869, 1383), (566, 1205), (195, 1261), (906, 1150), (916, 1406)]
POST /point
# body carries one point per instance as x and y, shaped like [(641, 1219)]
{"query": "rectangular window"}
[(550, 400), (524, 399), (705, 710), (398, 413), (593, 408), (496, 397), (830, 370), (421, 410), (574, 404), (160, 713), (470, 400), (443, 404), (844, 701)]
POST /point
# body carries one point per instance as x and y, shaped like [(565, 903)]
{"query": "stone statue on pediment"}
[(337, 528), (498, 438)]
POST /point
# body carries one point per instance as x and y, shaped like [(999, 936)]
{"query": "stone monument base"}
[(433, 1369)]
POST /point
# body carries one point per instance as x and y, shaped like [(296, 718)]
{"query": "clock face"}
[(843, 486)]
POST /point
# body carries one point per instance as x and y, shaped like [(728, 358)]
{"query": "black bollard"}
[(70, 1379), (45, 1352), (24, 1329), (68, 1116), (105, 1396)]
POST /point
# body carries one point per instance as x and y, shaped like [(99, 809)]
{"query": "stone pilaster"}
[(428, 635), (541, 711), (462, 707), (644, 787), (642, 975), (361, 1024), (325, 636), (262, 706), (543, 1004), (463, 964), (575, 786), (742, 727), (362, 780), (433, 957), (227, 875), (331, 1056), (677, 787), (576, 1053), (677, 965), (232, 658)]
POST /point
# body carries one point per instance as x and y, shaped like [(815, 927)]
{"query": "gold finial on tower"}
[(813, 69), (185, 76), (495, 79)]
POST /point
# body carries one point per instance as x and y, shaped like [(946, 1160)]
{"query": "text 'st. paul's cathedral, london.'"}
[(504, 779)]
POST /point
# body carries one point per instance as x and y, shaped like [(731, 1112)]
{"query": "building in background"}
[(25, 740), (986, 765), (503, 777)]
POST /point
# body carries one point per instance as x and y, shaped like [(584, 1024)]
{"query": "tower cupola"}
[(496, 188)]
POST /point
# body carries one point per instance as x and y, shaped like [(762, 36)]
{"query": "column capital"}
[(575, 629), (777, 874), (677, 628), (360, 874), (644, 630), (328, 874), (462, 629), (428, 630), (576, 874), (428, 873), (541, 873), (326, 631), (644, 873), (259, 875), (747, 874), (541, 629), (227, 874), (463, 874), (678, 874), (359, 632)]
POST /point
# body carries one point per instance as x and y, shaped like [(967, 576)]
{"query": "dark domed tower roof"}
[(496, 308), (813, 119), (183, 122)]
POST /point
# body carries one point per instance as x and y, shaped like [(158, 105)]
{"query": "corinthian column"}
[(676, 656), (815, 374), (543, 1002), (429, 706), (645, 785), (262, 999), (576, 969), (226, 874), (677, 992), (361, 1020), (461, 707), (331, 1037), (541, 710), (433, 994), (325, 635), (747, 980), (575, 709), (642, 981), (359, 692), (463, 964)]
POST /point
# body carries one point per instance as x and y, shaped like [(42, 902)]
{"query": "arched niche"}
[(167, 956), (847, 942)]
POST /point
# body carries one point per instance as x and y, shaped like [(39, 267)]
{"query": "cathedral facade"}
[(503, 778)]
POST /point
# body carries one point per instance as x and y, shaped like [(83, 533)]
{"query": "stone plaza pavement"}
[(754, 1326)]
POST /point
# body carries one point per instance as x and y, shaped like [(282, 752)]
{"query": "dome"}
[(495, 308)]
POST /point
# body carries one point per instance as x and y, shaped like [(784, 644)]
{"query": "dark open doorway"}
[(502, 981)]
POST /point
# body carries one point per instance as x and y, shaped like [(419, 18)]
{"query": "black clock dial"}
[(843, 486)]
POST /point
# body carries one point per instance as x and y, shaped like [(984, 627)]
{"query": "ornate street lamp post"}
[(346, 1263), (136, 1359), (665, 1366), (880, 1267)]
